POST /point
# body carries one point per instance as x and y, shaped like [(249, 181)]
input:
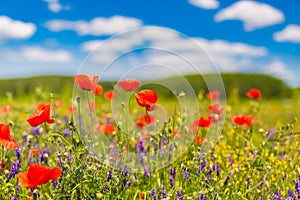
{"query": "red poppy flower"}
[(38, 175), (142, 195), (145, 120), (6, 139), (214, 95), (57, 103), (175, 132), (41, 115), (6, 109), (199, 140), (108, 128), (146, 98), (109, 95), (70, 109), (92, 105), (98, 90), (202, 122), (145, 136), (254, 94), (152, 107), (216, 109), (34, 152), (243, 120), (86, 82), (2, 165), (129, 84)]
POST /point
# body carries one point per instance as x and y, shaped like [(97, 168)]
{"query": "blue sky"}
[(55, 36)]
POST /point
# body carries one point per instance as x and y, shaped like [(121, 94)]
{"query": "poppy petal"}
[(23, 179), (9, 144), (55, 173), (38, 174), (129, 84)]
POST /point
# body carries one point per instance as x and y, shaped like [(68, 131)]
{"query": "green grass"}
[(235, 85), (260, 166)]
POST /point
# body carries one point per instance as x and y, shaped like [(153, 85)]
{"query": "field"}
[(247, 147)]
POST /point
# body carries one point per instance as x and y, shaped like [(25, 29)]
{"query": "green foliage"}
[(258, 160), (235, 84)]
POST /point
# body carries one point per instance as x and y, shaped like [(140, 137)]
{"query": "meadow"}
[(44, 154)]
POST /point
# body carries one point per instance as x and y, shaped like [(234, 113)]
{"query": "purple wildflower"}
[(217, 169), (172, 176), (203, 165), (185, 174), (171, 150), (104, 189), (262, 183), (15, 166), (297, 187), (109, 176), (164, 193), (18, 188), (36, 130), (227, 180), (179, 195), (172, 181), (202, 197), (140, 147), (54, 184), (125, 171), (59, 161), (43, 156), (67, 132), (161, 149), (164, 140), (284, 177), (66, 119), (126, 183), (271, 133), (153, 194), (135, 177), (152, 143), (211, 170), (146, 172), (278, 195), (291, 195), (248, 182), (18, 154), (70, 159)]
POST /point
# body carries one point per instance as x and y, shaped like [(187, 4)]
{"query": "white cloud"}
[(253, 14), (221, 47), (279, 69), (290, 33), (38, 55), (205, 4), (97, 26), (14, 29), (55, 6), (172, 49)]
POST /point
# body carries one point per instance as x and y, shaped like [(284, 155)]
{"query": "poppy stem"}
[(54, 111), (147, 121), (52, 102), (2, 153), (79, 116), (46, 127), (90, 109)]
